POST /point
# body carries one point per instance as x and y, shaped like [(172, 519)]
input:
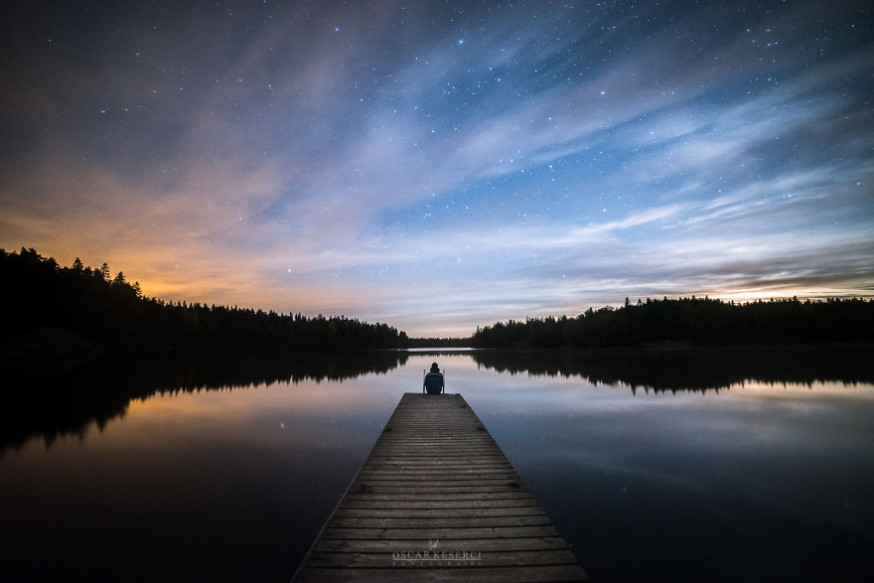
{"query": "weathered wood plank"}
[(427, 534), (473, 544), (437, 500), (429, 513), (508, 494), (343, 521), (440, 461), (429, 491), (489, 559), (438, 480), (466, 574), (447, 505)]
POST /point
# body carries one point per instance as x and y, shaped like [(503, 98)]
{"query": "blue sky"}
[(442, 165)]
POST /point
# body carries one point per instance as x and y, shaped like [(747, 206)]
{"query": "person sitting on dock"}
[(434, 383)]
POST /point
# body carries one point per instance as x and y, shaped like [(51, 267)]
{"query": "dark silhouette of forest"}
[(691, 321), (454, 342), (61, 316)]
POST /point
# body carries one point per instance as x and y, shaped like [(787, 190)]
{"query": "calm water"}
[(655, 465)]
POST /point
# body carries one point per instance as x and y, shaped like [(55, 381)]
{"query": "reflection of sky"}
[(441, 165), (758, 481), (757, 477), (213, 485)]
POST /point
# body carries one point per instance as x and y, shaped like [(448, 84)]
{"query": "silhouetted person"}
[(434, 381)]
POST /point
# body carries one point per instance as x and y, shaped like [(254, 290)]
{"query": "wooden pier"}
[(437, 500)]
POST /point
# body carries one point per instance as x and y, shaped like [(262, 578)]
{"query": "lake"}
[(672, 464)]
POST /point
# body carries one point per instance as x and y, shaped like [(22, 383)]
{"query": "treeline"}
[(453, 342), (691, 321), (112, 315)]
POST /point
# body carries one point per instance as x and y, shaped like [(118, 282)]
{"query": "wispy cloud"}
[(439, 169)]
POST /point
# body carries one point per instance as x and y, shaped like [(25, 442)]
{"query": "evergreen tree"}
[(115, 315)]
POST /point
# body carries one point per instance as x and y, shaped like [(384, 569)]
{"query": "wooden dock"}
[(437, 500)]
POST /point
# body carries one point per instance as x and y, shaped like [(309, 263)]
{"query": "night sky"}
[(442, 165)]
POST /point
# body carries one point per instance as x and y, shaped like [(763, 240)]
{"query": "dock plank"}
[(437, 500)]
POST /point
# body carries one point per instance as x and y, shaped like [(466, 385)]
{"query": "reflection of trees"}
[(68, 404), (692, 369)]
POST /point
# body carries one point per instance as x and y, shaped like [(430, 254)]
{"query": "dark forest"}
[(691, 321), (73, 313), (55, 318)]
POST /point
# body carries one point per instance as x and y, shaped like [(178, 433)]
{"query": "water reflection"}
[(209, 485), (692, 369), (763, 481), (54, 407), (57, 406)]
